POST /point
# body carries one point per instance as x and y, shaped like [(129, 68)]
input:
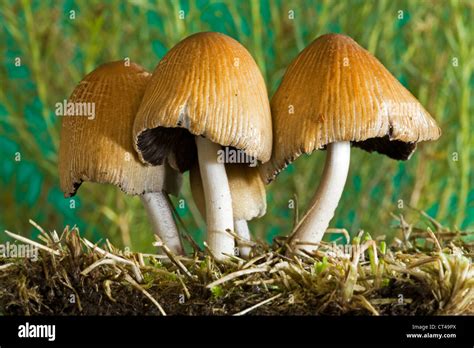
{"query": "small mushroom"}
[(99, 149), (248, 198), (206, 93), (334, 94)]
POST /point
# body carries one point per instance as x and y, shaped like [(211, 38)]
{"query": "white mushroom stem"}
[(219, 216), (242, 230), (315, 222), (161, 217)]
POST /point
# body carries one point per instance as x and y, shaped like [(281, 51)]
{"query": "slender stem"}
[(242, 229), (219, 216), (161, 217), (315, 222)]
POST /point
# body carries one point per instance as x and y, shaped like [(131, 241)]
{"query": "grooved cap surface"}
[(210, 85), (335, 90), (101, 149), (246, 188)]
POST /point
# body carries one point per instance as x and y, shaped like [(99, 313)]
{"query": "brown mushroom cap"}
[(208, 84), (101, 149), (335, 90), (246, 188)]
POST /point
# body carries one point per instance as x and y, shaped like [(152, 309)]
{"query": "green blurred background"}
[(427, 45)]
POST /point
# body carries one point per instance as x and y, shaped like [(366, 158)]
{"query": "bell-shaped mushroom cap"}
[(208, 84), (335, 90), (246, 188), (100, 148)]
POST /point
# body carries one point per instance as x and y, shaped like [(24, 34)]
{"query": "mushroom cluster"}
[(207, 99)]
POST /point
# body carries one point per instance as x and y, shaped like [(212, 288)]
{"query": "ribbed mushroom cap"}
[(100, 149), (208, 84), (246, 188), (335, 90)]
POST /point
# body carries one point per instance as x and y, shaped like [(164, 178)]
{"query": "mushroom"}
[(248, 198), (334, 94), (205, 94), (99, 149)]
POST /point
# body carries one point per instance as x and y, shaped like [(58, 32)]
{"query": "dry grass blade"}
[(366, 304), (243, 242), (423, 261), (237, 275), (185, 288), (435, 240), (119, 259), (108, 290), (97, 264), (245, 311), (5, 266), (172, 257), (43, 235), (252, 261), (29, 241), (146, 293), (342, 231)]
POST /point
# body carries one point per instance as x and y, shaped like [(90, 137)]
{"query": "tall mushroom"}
[(99, 149), (334, 94), (248, 198), (206, 93)]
